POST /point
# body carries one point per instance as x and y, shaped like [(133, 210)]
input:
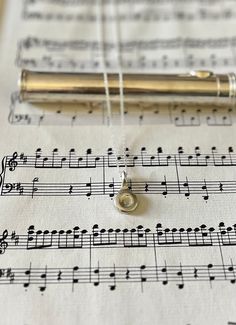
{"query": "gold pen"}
[(198, 87)]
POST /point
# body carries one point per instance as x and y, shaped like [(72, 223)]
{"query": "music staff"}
[(33, 11), (136, 45), (144, 159), (138, 237), (187, 59), (88, 113), (115, 275), (182, 117), (165, 188)]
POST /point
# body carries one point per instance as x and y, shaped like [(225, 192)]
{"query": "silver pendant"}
[(125, 200)]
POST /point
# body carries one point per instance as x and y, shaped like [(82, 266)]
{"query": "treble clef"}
[(12, 163), (3, 243)]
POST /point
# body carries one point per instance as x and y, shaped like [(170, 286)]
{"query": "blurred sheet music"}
[(67, 256)]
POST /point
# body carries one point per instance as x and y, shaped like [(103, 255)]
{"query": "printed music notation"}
[(115, 275), (107, 185), (71, 115), (165, 187), (143, 158), (33, 10), (134, 238), (176, 54), (117, 238)]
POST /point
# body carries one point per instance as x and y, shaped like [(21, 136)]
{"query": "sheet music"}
[(67, 255)]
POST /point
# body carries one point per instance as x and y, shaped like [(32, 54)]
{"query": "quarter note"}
[(142, 277), (43, 276), (28, 277), (164, 184), (112, 186), (165, 275), (180, 276), (97, 278), (231, 270), (75, 278), (209, 269), (89, 187), (186, 186), (113, 277), (204, 187)]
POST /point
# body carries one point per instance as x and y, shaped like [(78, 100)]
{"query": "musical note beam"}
[(138, 237), (159, 159)]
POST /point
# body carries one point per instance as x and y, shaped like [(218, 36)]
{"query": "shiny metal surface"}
[(125, 200), (197, 86)]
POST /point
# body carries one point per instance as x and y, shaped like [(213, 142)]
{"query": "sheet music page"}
[(67, 256)]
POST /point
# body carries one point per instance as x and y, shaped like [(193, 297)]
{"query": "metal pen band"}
[(196, 87)]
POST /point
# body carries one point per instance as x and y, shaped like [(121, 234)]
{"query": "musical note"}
[(26, 284), (181, 277), (186, 185), (112, 187), (113, 275), (96, 271), (204, 187), (103, 237), (165, 274), (75, 278), (210, 275), (144, 159), (142, 277), (231, 270), (43, 276), (164, 184), (138, 237), (34, 188), (89, 186)]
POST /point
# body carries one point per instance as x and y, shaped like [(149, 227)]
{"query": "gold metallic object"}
[(195, 87), (125, 200)]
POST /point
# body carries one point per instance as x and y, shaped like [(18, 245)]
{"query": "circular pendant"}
[(126, 201)]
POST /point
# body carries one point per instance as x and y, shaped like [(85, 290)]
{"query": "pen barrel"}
[(196, 87)]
